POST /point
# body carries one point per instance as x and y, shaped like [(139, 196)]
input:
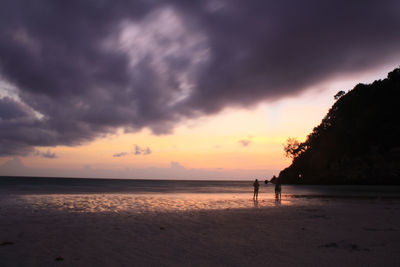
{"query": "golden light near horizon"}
[(209, 142), (199, 132), (235, 139), (228, 93)]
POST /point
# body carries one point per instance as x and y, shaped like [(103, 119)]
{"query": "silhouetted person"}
[(256, 186), (278, 189)]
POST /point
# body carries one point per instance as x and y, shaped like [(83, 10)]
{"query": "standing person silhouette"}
[(256, 186), (278, 189)]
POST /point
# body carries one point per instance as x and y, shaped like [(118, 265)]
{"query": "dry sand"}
[(329, 232)]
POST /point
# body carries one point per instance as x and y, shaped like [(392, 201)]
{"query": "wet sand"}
[(51, 231)]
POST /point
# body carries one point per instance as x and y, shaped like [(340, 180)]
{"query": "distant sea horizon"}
[(48, 185), (119, 178)]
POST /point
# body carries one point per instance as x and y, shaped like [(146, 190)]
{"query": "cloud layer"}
[(137, 150), (15, 167), (82, 69)]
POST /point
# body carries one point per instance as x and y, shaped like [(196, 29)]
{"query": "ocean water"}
[(116, 195)]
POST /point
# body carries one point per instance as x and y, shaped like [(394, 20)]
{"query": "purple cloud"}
[(137, 150), (244, 142), (81, 69), (47, 154), (176, 165), (121, 154)]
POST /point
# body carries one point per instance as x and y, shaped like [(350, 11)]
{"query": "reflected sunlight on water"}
[(144, 202), (140, 196)]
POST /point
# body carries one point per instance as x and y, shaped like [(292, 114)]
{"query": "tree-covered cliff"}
[(358, 141)]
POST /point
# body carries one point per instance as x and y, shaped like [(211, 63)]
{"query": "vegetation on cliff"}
[(357, 142)]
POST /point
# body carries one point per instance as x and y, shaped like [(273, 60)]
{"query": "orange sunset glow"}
[(234, 144)]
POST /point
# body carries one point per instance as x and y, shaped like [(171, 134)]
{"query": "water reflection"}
[(148, 201), (143, 202), (255, 202)]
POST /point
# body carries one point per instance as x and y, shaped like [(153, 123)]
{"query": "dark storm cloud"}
[(81, 69), (12, 110)]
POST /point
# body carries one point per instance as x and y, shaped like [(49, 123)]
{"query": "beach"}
[(98, 230)]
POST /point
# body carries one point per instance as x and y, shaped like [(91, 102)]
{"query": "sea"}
[(122, 195)]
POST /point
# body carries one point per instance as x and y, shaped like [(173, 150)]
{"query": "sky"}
[(178, 89)]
